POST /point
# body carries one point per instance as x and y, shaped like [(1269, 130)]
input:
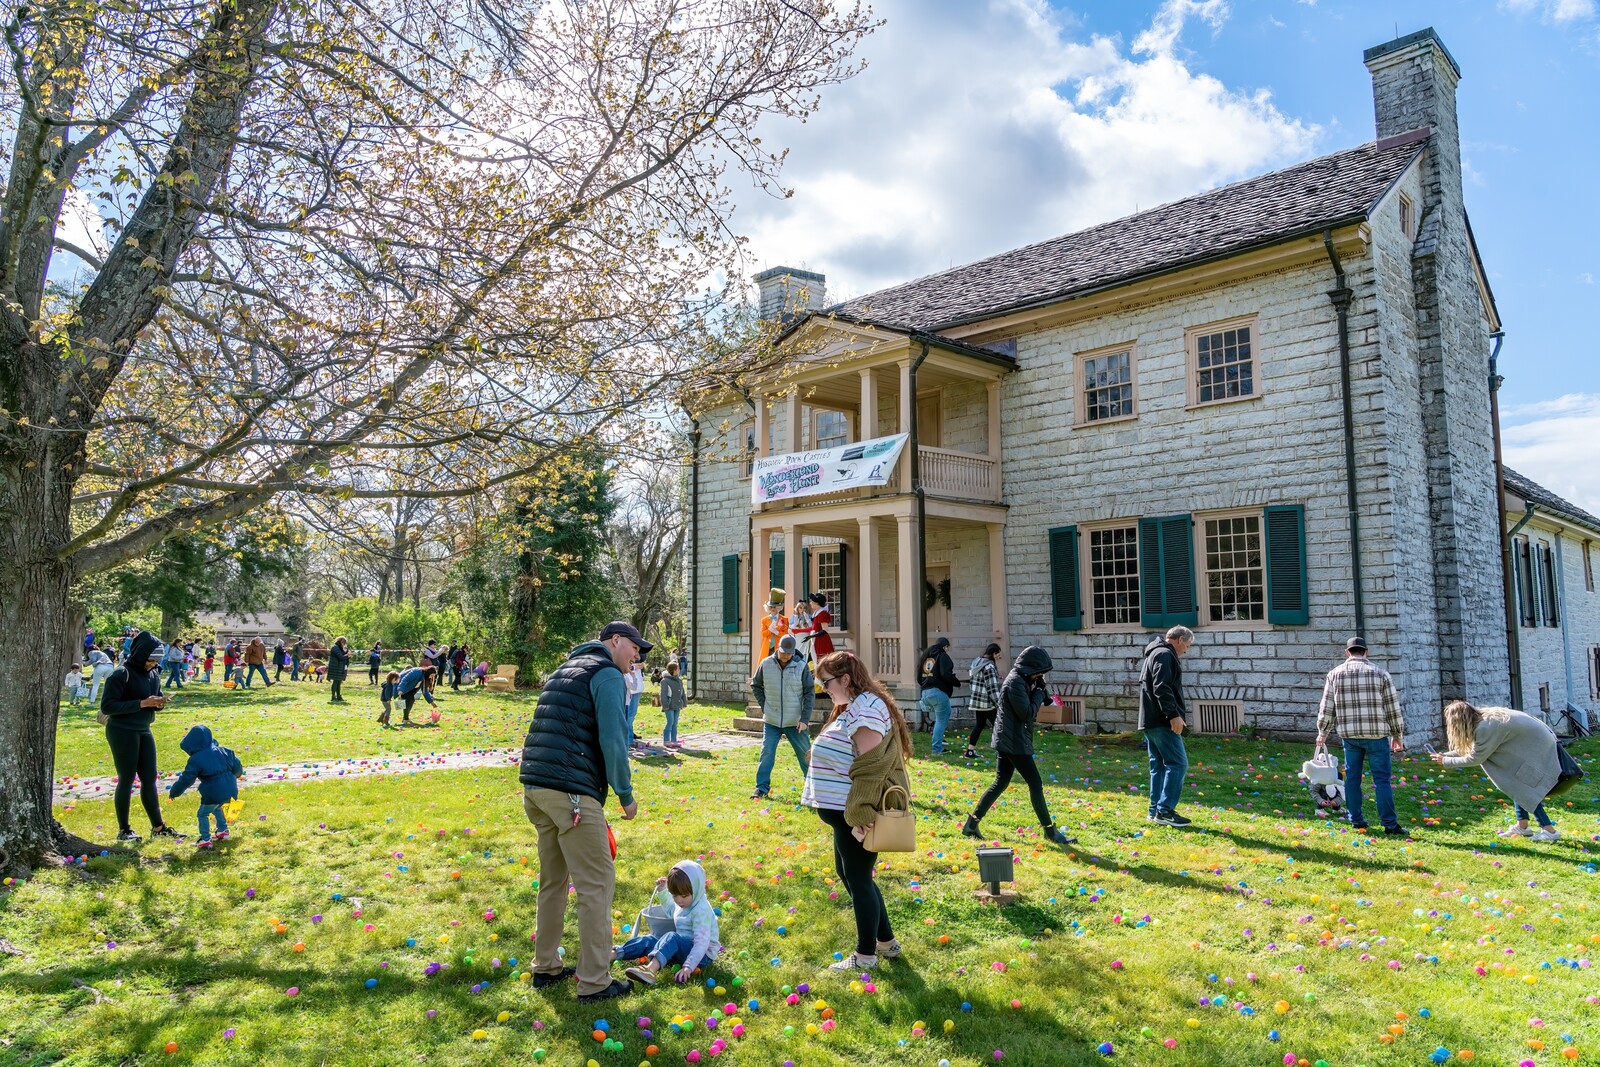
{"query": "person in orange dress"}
[(773, 625)]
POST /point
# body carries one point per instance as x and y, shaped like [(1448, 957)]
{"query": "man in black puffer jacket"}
[(1162, 717), (130, 700), (1021, 696), (577, 747)]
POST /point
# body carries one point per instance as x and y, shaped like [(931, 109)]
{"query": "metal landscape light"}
[(996, 865)]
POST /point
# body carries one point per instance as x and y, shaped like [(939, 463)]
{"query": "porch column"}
[(760, 563), (997, 586), (762, 434), (866, 609), (869, 404), (792, 558), (910, 597), (994, 420), (908, 406), (791, 409)]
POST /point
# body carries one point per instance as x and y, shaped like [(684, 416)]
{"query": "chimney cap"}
[(1400, 43), (793, 272)]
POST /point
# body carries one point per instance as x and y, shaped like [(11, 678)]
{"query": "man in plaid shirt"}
[(1359, 701)]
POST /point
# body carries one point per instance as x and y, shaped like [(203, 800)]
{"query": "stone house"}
[(1263, 412), (1555, 609)]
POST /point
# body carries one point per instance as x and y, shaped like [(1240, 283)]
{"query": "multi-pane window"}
[(1235, 579), (1114, 576), (832, 429), (1107, 382), (1224, 363), (830, 581)]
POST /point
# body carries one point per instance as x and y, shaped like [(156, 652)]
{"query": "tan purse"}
[(894, 829)]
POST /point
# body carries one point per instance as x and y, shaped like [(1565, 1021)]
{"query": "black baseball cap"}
[(1356, 644), (626, 629)]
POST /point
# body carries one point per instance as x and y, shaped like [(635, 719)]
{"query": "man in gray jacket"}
[(783, 688)]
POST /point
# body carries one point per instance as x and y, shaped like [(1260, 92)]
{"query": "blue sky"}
[(981, 125)]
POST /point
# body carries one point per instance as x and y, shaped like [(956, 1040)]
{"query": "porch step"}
[(753, 725)]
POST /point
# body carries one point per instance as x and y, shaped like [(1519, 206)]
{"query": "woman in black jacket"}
[(1021, 697), (130, 700), (338, 667)]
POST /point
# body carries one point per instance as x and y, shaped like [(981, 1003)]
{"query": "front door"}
[(937, 595)]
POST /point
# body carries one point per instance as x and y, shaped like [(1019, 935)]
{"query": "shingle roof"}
[(1259, 211), (1540, 497)]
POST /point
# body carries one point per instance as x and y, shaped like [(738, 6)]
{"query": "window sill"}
[(1104, 422), (1223, 403)]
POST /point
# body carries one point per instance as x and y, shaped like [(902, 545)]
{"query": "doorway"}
[(937, 595)]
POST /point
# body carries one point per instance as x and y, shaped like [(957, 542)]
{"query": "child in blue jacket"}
[(216, 768), (390, 690)]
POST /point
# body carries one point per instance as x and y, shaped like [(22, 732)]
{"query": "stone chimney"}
[(787, 292), (1414, 88)]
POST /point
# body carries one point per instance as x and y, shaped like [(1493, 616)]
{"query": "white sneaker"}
[(1516, 831), (854, 963), (1546, 833)]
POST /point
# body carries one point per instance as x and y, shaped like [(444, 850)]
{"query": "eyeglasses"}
[(825, 682)]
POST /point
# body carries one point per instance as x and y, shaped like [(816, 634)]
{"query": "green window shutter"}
[(776, 571), (1066, 606), (841, 621), (730, 594), (1288, 601), (1525, 588), (1166, 573)]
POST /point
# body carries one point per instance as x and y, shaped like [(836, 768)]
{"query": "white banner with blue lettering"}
[(825, 470)]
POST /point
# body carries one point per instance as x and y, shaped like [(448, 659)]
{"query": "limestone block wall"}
[(719, 662)]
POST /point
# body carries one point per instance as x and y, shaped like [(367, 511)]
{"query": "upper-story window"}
[(1222, 362), (829, 429), (1105, 384), (1408, 217)]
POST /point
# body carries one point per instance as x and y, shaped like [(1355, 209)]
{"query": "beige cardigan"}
[(1518, 755)]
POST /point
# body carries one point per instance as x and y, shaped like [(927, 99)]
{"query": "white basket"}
[(1320, 769), (657, 918)]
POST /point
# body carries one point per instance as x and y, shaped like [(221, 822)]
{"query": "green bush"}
[(394, 626)]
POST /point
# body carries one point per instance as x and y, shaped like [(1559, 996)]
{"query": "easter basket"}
[(657, 918)]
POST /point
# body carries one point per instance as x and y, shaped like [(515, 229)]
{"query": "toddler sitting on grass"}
[(217, 770), (695, 939)]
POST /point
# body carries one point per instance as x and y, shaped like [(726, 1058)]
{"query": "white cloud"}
[(980, 127), (1558, 11), (1586, 278), (80, 225), (1552, 442)]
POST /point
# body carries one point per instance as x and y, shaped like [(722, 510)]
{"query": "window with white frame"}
[(829, 429), (1222, 362), (829, 580), (1408, 217), (1113, 569), (1235, 578), (1105, 385)]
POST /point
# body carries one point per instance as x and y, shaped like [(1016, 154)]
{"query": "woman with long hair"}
[(1516, 751), (860, 753), (1021, 697)]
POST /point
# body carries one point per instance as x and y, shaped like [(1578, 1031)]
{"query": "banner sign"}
[(825, 470)]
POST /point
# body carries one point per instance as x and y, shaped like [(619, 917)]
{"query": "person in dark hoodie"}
[(338, 667), (939, 681), (1162, 717), (1021, 696), (130, 700), (217, 770)]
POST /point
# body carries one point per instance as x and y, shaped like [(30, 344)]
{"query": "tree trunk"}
[(34, 602)]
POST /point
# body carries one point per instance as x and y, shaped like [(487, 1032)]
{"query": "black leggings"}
[(984, 718), (1024, 766), (336, 684), (134, 752), (854, 864), (372, 673)]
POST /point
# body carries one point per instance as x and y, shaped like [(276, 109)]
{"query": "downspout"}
[(694, 548), (921, 634), (1341, 296), (1507, 564)]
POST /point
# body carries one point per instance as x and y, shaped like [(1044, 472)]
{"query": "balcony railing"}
[(886, 657), (959, 474)]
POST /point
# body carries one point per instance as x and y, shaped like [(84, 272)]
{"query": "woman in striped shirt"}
[(864, 717)]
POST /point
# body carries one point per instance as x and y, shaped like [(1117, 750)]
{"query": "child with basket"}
[(693, 939)]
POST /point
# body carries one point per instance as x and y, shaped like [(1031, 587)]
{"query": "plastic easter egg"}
[(1171, 1042), (1104, 1048), (503, 1017), (292, 991), (479, 1035), (171, 1047), (1273, 1035), (371, 983)]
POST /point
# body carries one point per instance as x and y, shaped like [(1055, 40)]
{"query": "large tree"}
[(302, 240)]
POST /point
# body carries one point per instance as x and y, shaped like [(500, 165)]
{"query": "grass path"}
[(376, 878)]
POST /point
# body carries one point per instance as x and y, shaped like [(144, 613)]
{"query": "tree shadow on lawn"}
[(1305, 855)]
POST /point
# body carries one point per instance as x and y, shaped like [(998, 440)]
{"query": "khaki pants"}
[(580, 855)]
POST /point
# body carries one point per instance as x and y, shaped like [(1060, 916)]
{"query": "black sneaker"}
[(166, 831), (970, 753), (1359, 827), (1171, 818), (1396, 831), (542, 980), (970, 828), (758, 795), (617, 988), (128, 835), (1054, 835)]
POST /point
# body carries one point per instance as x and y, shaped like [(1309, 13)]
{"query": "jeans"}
[(632, 713), (854, 864), (1023, 765), (937, 705), (1538, 813), (670, 733), (1169, 763), (666, 949), (799, 737), (206, 811), (175, 675), (251, 673), (207, 675), (1374, 750), (133, 752), (294, 668)]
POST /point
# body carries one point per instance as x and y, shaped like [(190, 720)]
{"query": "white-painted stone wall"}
[(719, 662), (1540, 647)]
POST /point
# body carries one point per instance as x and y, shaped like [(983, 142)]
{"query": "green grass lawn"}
[(295, 721), (1116, 939)]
